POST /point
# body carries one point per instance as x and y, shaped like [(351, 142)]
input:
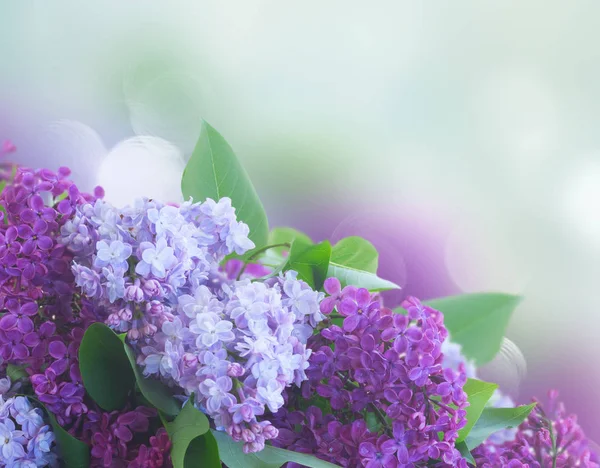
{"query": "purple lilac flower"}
[(385, 368), (112, 437), (37, 287), (156, 455), (547, 438)]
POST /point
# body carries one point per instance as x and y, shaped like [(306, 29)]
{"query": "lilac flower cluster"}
[(112, 437), (40, 326), (155, 270), (545, 439), (380, 376), (25, 439), (143, 256)]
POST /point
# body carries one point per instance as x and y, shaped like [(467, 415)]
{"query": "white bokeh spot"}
[(142, 166)]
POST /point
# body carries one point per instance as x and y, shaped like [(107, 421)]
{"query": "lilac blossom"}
[(202, 333), (25, 438), (383, 366), (548, 437)]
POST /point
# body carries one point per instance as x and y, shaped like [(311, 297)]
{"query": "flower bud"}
[(134, 293), (125, 314), (155, 308), (235, 369), (152, 288)]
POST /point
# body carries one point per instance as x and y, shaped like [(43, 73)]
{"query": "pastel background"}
[(459, 137)]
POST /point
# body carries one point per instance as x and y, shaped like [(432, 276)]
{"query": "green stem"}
[(258, 252)]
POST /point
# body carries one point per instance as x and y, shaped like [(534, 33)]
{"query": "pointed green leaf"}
[(310, 261), (104, 366), (496, 419), (157, 393), (214, 172), (354, 262), (478, 393), (355, 252), (203, 451), (465, 452), (477, 322), (187, 426), (233, 456), (359, 278)]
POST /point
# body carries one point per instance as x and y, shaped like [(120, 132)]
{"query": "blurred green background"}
[(460, 137)]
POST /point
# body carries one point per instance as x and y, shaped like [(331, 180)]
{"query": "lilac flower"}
[(114, 254), (217, 393), (385, 366), (25, 439), (191, 326), (28, 417), (237, 239), (211, 329), (115, 284), (246, 411), (156, 259), (11, 442), (167, 218), (271, 395), (203, 301), (548, 437), (88, 280)]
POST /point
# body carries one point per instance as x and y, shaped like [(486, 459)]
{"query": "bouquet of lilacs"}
[(184, 335)]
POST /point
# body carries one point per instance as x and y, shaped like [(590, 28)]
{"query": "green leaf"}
[(271, 457), (276, 257), (479, 393), (310, 261), (153, 390), (105, 369), (360, 278), (355, 252), (203, 451), (16, 372), (73, 453), (214, 172), (496, 419), (373, 423), (465, 452), (477, 322), (187, 426), (282, 235)]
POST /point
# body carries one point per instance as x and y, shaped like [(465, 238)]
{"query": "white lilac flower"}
[(191, 326), (211, 329), (27, 416), (203, 301), (271, 395), (114, 254), (167, 219), (156, 259), (115, 284), (217, 393), (214, 364), (237, 238), (25, 440)]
